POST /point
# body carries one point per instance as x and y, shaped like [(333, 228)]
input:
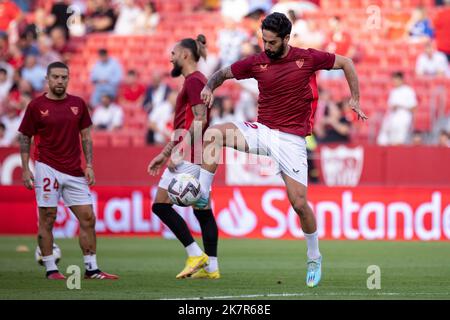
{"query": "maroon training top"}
[(287, 87), (56, 125)]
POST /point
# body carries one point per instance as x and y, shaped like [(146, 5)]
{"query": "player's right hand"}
[(207, 96), (156, 164), (28, 179)]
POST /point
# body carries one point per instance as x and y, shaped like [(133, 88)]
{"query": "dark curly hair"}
[(277, 23)]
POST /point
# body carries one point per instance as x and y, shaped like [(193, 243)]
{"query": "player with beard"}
[(286, 106), (190, 121), (57, 120)]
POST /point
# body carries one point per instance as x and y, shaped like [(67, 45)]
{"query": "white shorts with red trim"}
[(288, 150), (51, 184)]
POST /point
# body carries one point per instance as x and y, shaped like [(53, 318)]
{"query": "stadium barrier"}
[(370, 213), (339, 165)]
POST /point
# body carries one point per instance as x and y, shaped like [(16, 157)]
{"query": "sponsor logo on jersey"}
[(44, 113), (300, 62), (263, 67)]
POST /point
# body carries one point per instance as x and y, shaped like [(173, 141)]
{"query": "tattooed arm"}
[(215, 81), (86, 142), (27, 175)]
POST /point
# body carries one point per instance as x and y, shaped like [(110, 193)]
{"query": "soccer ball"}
[(184, 189), (56, 254)]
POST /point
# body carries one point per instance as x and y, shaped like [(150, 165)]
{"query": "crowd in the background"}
[(33, 36)]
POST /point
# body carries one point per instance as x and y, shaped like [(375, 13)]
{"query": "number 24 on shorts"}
[(48, 182)]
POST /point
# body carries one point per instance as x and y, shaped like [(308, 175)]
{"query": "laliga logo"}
[(237, 219), (342, 166)]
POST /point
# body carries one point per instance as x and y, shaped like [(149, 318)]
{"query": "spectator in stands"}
[(3, 141), (299, 7), (229, 41), (106, 76), (160, 120), (224, 111), (432, 62), (107, 115), (27, 44), (9, 12), (234, 10), (339, 42), (102, 19), (444, 139), (40, 23), (46, 53), (395, 22), (245, 109), (417, 138), (129, 12), (156, 93), (442, 29), (5, 84), (419, 26), (334, 126), (60, 43), (11, 120), (398, 119), (59, 14), (306, 34), (131, 91), (208, 65), (34, 73), (148, 19)]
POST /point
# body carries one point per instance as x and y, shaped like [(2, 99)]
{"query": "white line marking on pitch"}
[(306, 295)]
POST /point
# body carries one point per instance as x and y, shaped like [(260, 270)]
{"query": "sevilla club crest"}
[(74, 110)]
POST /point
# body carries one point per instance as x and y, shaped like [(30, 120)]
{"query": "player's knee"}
[(300, 205), (88, 220), (47, 218)]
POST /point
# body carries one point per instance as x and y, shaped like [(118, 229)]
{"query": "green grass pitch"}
[(250, 269)]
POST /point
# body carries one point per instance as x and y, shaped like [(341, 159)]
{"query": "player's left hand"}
[(354, 104), (90, 177), (156, 164)]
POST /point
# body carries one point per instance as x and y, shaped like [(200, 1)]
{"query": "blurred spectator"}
[(417, 138), (234, 10), (20, 94), (11, 120), (5, 84), (211, 5), (398, 119), (229, 41), (60, 43), (224, 111), (147, 20), (432, 62), (3, 141), (208, 65), (335, 125), (419, 26), (59, 14), (444, 139), (309, 37), (9, 12), (107, 115), (46, 54), (299, 7), (245, 109), (27, 44), (442, 29), (102, 19), (34, 73), (322, 104), (338, 42), (156, 93), (106, 76), (127, 18), (131, 91), (24, 5), (395, 22), (160, 120), (40, 23)]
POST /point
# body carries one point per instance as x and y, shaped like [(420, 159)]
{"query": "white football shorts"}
[(50, 184), (183, 167), (288, 150)]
